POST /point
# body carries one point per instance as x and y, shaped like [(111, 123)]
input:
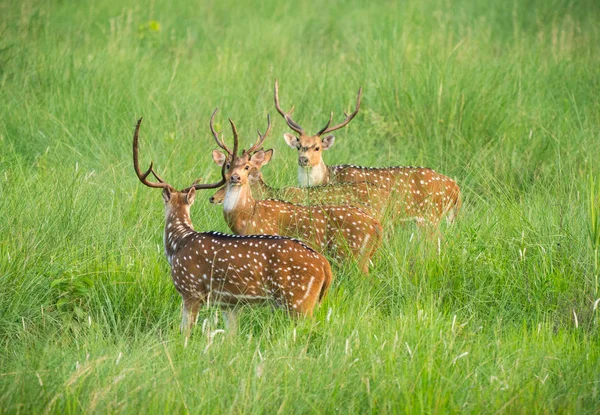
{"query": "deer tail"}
[(327, 281)]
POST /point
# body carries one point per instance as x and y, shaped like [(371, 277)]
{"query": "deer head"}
[(311, 147), (255, 177), (245, 168)]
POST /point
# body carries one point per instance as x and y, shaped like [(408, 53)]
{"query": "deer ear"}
[(166, 193), (327, 142), (268, 156), (219, 157), (191, 195), (260, 158), (291, 140)]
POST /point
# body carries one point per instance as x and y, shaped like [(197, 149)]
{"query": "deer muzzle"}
[(303, 161)]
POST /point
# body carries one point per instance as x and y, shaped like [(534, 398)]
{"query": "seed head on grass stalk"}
[(594, 216), (594, 228)]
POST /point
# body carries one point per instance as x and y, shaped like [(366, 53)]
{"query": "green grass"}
[(502, 96)]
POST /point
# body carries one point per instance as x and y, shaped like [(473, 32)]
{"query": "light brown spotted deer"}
[(232, 269), (344, 231), (369, 197), (419, 193)]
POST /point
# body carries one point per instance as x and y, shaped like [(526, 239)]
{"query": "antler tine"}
[(136, 165), (219, 142), (198, 186), (261, 137), (322, 130), (348, 117), (291, 123), (235, 139), (160, 179)]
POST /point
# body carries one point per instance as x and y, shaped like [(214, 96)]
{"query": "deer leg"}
[(310, 295), (191, 305), (230, 317), (369, 247), (304, 309), (363, 264)]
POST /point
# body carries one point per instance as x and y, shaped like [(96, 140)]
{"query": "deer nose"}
[(303, 161), (235, 178), (212, 200)]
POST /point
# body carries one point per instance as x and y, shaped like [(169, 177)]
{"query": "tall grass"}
[(501, 96)]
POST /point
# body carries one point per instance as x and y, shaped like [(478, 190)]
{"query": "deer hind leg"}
[(363, 255), (303, 310), (302, 298), (454, 205), (191, 305), (230, 317), (313, 293), (370, 245)]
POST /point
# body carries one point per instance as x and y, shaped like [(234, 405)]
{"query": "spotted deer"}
[(233, 269), (420, 193), (364, 195), (343, 231)]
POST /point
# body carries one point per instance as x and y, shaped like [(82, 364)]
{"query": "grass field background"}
[(501, 96)]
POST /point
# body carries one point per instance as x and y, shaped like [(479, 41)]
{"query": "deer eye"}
[(227, 167), (247, 167), (317, 149)]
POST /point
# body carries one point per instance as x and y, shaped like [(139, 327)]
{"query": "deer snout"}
[(211, 200), (235, 178), (303, 161)]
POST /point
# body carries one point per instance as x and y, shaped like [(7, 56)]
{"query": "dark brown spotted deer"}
[(343, 231), (232, 269), (420, 193), (369, 197)]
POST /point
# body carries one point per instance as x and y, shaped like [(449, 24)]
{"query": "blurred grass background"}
[(501, 96)]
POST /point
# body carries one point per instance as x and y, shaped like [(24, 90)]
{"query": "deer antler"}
[(161, 183), (136, 165), (328, 129), (208, 185), (291, 123), (261, 137), (235, 140), (219, 142)]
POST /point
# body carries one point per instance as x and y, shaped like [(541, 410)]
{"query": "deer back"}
[(341, 230), (417, 192)]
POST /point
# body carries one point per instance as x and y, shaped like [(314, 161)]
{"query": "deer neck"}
[(238, 207), (178, 226), (313, 176), (261, 190)]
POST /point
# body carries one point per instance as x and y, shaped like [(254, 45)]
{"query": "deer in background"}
[(232, 269), (419, 193), (344, 231), (370, 198)]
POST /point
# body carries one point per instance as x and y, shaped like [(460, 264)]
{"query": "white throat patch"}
[(232, 196), (312, 176)]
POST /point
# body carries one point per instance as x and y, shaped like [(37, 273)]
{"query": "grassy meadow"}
[(501, 96)]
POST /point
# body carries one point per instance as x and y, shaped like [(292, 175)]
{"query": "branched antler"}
[(328, 129), (286, 115), (261, 137), (136, 165), (161, 183), (219, 142)]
